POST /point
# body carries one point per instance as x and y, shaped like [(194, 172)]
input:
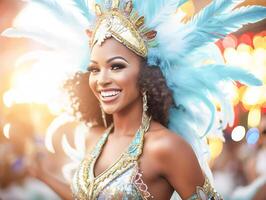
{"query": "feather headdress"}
[(180, 52)]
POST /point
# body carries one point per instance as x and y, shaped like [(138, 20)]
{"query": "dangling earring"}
[(145, 102), (145, 117), (103, 117)]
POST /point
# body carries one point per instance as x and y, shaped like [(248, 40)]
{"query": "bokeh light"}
[(8, 99), (230, 41), (6, 130), (238, 133), (254, 117), (249, 52), (252, 96), (259, 42), (216, 147), (188, 8), (252, 136)]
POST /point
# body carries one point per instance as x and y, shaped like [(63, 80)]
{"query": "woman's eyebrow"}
[(93, 61), (110, 59), (116, 57)]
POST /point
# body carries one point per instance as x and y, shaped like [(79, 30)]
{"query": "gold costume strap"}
[(205, 192)]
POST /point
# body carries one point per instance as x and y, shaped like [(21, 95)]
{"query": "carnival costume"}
[(154, 30)]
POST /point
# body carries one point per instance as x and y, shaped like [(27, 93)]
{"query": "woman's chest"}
[(129, 176), (125, 178), (122, 180)]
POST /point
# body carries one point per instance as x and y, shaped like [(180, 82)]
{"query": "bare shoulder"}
[(162, 142), (174, 159)]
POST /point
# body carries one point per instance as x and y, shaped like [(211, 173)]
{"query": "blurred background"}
[(29, 103)]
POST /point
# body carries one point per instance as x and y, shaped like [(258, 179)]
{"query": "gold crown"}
[(125, 26)]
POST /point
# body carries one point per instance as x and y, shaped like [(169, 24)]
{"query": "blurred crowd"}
[(241, 168)]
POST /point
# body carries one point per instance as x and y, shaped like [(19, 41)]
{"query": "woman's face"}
[(114, 71)]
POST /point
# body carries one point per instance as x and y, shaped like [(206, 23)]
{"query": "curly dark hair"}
[(151, 80)]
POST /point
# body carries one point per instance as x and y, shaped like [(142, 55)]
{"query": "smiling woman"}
[(114, 74), (148, 95), (146, 78), (118, 77)]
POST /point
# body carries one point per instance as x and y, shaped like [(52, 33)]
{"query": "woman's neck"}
[(128, 121)]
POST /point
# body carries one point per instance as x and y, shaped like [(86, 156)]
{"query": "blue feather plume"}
[(84, 8), (159, 10), (183, 40), (195, 114), (221, 25), (241, 16), (198, 85), (56, 9), (164, 12), (215, 8)]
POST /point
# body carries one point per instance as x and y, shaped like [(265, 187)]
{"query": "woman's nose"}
[(104, 78)]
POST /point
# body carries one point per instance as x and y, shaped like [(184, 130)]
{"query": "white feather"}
[(56, 123), (80, 137), (72, 153)]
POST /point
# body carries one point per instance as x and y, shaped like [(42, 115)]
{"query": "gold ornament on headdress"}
[(124, 25)]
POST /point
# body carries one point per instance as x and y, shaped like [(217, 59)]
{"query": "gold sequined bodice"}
[(122, 180)]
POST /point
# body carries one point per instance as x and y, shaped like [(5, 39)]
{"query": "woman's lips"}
[(108, 96)]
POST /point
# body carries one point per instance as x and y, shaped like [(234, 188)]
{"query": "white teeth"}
[(109, 93)]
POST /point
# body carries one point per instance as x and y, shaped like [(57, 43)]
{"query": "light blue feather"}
[(42, 36), (185, 39), (241, 16), (221, 25), (164, 12), (84, 8), (218, 72), (215, 8), (181, 2), (159, 10), (192, 89), (56, 9), (99, 2), (199, 84)]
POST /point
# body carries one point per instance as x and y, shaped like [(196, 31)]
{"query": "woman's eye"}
[(93, 69), (117, 66)]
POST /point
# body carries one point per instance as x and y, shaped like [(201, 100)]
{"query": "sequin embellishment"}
[(122, 180), (206, 192)]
